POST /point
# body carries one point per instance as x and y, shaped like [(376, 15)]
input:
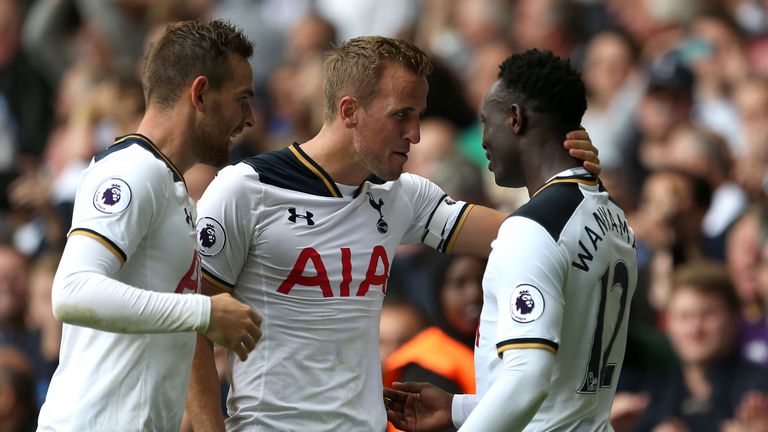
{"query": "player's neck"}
[(332, 149), (167, 130), (548, 158)]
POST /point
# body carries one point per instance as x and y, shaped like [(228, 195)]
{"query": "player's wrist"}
[(206, 310), (461, 406)]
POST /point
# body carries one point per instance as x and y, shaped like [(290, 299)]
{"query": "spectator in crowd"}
[(442, 354), (400, 321), (712, 388), (705, 154), (18, 408), (742, 259)]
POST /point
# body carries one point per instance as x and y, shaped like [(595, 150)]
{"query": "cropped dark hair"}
[(189, 49), (547, 84)]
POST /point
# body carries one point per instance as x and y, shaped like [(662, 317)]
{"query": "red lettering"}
[(346, 271), (191, 279), (371, 277), (296, 277)]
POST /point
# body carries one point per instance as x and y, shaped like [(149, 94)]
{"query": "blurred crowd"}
[(677, 106)]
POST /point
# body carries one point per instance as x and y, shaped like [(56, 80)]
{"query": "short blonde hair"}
[(355, 68)]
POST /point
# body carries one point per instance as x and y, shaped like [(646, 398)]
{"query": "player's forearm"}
[(84, 295), (516, 395), (478, 231), (204, 391)]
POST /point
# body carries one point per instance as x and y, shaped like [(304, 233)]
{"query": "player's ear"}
[(516, 119), (196, 92), (348, 107)]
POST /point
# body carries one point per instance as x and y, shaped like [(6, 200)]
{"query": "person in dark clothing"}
[(712, 389)]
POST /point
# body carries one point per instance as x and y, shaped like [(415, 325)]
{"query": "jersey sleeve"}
[(437, 219), (117, 202), (526, 273), (225, 224)]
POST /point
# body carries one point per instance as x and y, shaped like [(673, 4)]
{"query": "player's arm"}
[(84, 293), (505, 407), (203, 399)]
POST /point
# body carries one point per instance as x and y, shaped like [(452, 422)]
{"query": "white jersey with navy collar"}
[(277, 232), (133, 201), (560, 277)]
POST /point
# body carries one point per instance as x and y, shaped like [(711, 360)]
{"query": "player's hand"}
[(233, 325), (418, 407), (580, 146)]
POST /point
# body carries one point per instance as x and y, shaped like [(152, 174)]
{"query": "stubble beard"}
[(210, 149)]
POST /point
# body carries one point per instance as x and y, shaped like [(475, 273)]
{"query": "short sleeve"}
[(117, 202), (437, 218), (526, 272), (226, 222)]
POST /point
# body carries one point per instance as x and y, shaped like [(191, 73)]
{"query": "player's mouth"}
[(403, 154)]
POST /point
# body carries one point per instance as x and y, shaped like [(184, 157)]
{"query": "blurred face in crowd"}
[(609, 62), (229, 113), (668, 194), (751, 100), (700, 326), (461, 297), (438, 138), (399, 323), (389, 124), (762, 274), (743, 255)]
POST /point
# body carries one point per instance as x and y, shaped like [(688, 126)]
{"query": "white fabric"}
[(566, 273), (126, 381), (461, 407), (316, 366), (85, 295), (515, 395), (728, 202)]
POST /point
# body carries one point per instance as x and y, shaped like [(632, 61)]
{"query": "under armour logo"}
[(188, 217), (381, 225), (293, 216)]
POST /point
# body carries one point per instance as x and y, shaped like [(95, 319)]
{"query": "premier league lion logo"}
[(524, 302), (112, 196), (208, 236), (211, 236)]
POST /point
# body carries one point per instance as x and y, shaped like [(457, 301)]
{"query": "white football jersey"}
[(134, 201), (313, 258), (561, 277)]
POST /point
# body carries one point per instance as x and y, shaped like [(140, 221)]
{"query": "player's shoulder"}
[(138, 155), (553, 206), (292, 169), (134, 159), (414, 185)]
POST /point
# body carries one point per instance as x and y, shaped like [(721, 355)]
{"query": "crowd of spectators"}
[(677, 106)]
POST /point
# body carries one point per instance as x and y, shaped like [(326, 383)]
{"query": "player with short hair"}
[(306, 235), (128, 337), (559, 280)]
